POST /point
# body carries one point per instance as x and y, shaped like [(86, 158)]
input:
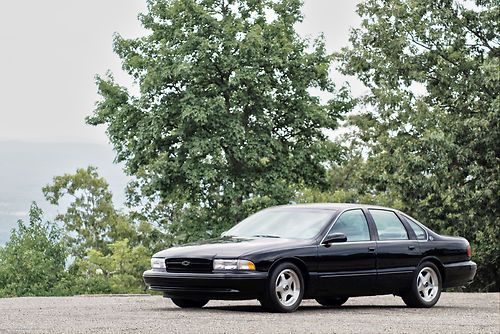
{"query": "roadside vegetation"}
[(226, 123)]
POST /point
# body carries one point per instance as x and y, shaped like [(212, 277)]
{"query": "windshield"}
[(283, 223)]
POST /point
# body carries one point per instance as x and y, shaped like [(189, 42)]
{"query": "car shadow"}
[(301, 309), (308, 308)]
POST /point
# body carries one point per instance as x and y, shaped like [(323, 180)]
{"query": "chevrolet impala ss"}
[(328, 252)]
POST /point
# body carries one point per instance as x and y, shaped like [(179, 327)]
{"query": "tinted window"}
[(283, 223), (353, 224), (419, 232), (389, 226)]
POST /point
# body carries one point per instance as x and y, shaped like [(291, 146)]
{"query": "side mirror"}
[(223, 234), (335, 237)]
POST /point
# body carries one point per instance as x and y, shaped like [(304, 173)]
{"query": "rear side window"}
[(419, 232), (389, 226)]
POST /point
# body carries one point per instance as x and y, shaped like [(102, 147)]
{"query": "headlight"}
[(222, 264), (158, 263)]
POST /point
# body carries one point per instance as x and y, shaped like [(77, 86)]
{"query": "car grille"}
[(189, 265)]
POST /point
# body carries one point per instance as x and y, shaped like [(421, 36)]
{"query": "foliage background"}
[(226, 122)]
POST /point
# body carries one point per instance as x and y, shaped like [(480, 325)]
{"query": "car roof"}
[(333, 206)]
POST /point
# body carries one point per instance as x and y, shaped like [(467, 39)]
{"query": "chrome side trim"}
[(377, 241), (354, 242), (374, 241), (390, 271), (397, 240), (395, 272), (374, 273)]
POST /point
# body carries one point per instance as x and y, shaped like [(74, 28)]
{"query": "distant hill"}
[(25, 167)]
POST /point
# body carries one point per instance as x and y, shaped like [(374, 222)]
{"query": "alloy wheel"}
[(287, 287), (427, 284)]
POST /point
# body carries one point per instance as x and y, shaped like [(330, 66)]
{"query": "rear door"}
[(348, 268), (398, 251)]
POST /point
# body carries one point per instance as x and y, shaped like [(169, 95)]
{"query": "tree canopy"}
[(430, 123), (225, 121), (90, 219), (33, 261), (110, 248)]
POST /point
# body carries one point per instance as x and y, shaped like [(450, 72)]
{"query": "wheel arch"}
[(437, 262), (296, 261)]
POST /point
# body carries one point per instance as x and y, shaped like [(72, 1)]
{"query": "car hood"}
[(230, 247)]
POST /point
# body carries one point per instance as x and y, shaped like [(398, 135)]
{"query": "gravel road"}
[(454, 313)]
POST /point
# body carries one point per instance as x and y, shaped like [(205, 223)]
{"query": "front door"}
[(348, 268)]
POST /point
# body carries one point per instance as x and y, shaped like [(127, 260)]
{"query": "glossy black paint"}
[(329, 269), (342, 264)]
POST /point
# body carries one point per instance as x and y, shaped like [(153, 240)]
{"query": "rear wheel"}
[(285, 289), (425, 288), (332, 301), (190, 303)]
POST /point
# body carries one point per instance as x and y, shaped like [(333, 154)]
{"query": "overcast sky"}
[(51, 50)]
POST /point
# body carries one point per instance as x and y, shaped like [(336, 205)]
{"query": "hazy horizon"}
[(51, 54)]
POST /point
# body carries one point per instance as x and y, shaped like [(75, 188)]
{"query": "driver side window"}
[(353, 224)]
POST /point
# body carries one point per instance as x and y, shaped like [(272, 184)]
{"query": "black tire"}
[(291, 284), (332, 301), (424, 294), (190, 303)]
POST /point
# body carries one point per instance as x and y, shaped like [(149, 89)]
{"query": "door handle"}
[(371, 248), (411, 247)]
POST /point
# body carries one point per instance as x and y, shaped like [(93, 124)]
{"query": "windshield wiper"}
[(264, 236)]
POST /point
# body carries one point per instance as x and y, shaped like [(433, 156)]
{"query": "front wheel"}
[(332, 301), (190, 303), (285, 289), (425, 288)]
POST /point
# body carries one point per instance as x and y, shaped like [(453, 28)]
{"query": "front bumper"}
[(217, 285), (459, 274)]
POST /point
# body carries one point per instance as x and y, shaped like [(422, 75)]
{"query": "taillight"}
[(469, 251)]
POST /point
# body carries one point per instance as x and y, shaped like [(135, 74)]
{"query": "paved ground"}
[(454, 313)]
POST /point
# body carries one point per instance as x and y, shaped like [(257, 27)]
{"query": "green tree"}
[(32, 263), (120, 271), (91, 219), (111, 248), (431, 120), (347, 183), (225, 121)]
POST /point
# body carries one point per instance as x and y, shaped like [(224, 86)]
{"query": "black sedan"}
[(328, 252)]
